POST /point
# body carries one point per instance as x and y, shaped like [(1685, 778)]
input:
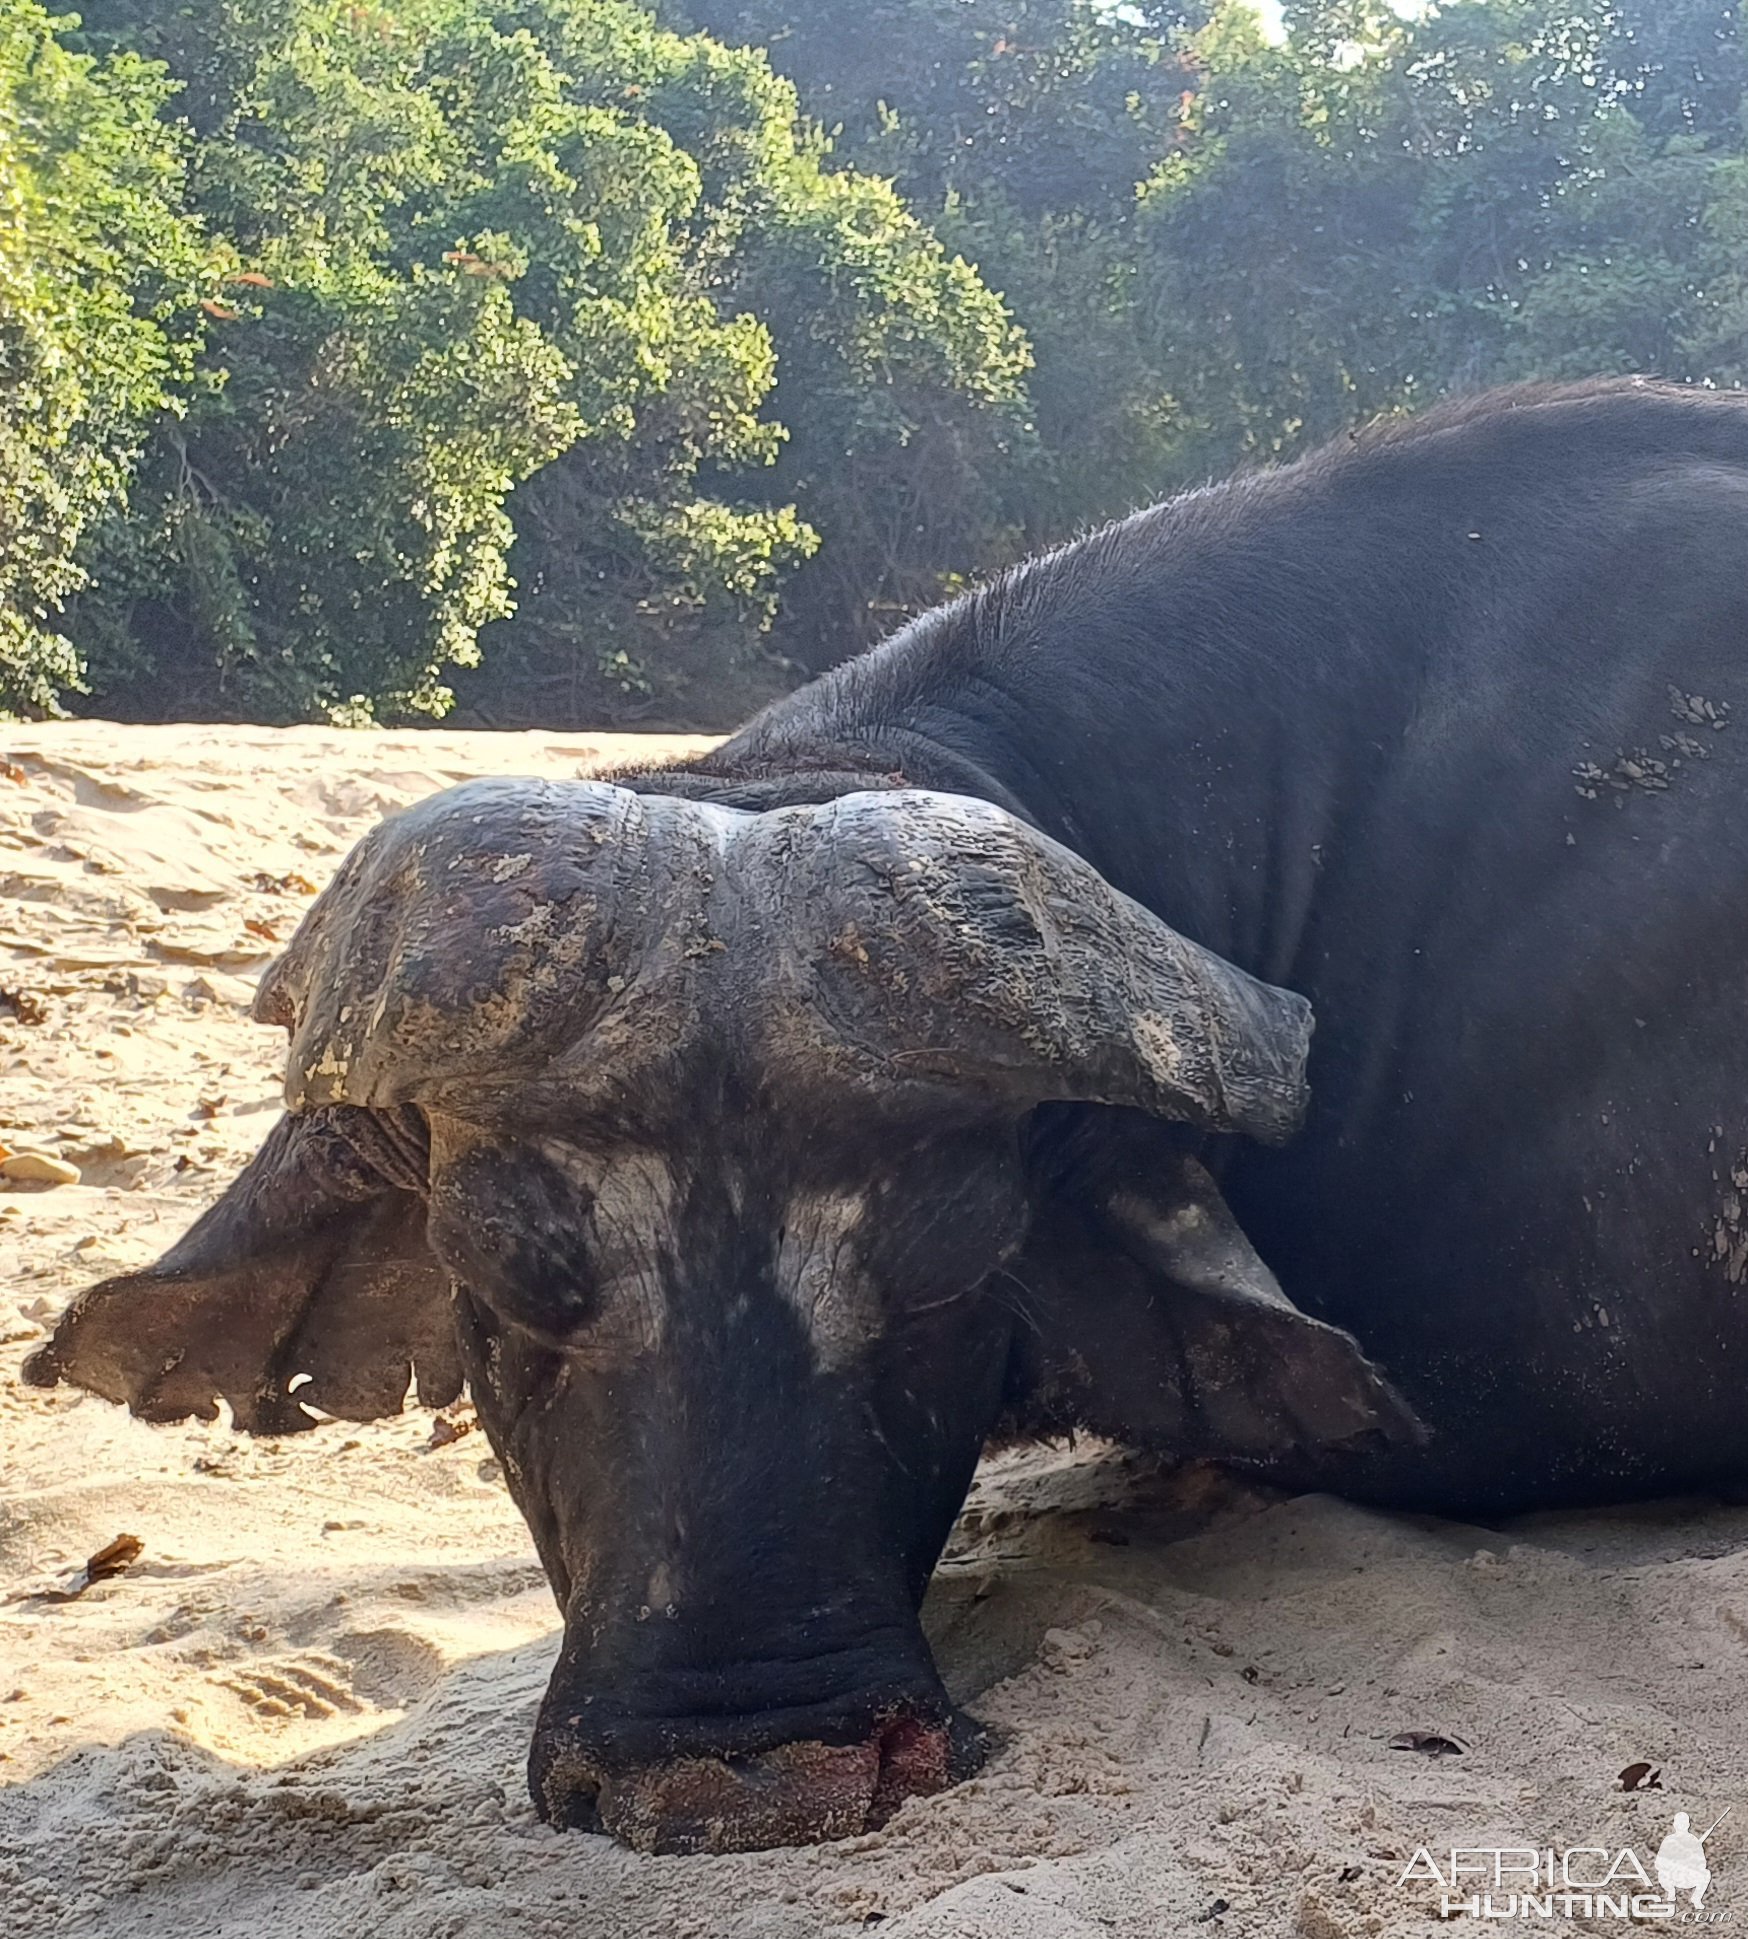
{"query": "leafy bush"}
[(359, 353), (471, 246), (98, 269)]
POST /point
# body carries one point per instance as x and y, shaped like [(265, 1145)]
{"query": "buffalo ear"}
[(1158, 1324), (313, 1263)]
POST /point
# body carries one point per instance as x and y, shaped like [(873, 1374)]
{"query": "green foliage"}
[(901, 382), (1051, 104), (325, 532), (1019, 129), (98, 266), (1385, 209), (473, 248), (889, 360), (1222, 246), (569, 356)]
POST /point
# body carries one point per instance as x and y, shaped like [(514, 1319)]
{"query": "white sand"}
[(308, 1703)]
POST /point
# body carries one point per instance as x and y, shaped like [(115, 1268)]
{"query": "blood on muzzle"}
[(795, 1793)]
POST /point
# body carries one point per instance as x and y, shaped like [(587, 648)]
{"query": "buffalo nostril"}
[(565, 1787), (574, 1808)]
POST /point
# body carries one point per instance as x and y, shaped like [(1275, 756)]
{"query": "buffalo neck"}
[(1177, 698)]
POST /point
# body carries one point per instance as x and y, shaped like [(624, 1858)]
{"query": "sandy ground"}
[(308, 1702)]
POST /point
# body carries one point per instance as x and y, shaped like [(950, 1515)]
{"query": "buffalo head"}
[(703, 1145)]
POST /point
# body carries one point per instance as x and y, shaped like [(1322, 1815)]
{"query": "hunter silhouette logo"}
[(1576, 1882), (1681, 1860)]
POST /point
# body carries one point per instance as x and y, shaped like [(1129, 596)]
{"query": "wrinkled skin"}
[(761, 1131), (783, 1363), (713, 1144)]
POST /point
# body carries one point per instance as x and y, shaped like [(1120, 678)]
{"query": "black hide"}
[(779, 1125)]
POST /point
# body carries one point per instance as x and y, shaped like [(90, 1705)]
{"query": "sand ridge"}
[(310, 1697)]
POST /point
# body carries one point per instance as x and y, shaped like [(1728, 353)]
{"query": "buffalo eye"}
[(512, 1226)]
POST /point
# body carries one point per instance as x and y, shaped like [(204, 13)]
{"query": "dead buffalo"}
[(758, 1137)]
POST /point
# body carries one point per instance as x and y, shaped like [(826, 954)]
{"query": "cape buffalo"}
[(758, 1137)]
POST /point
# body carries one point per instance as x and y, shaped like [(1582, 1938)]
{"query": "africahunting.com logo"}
[(1574, 1882)]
